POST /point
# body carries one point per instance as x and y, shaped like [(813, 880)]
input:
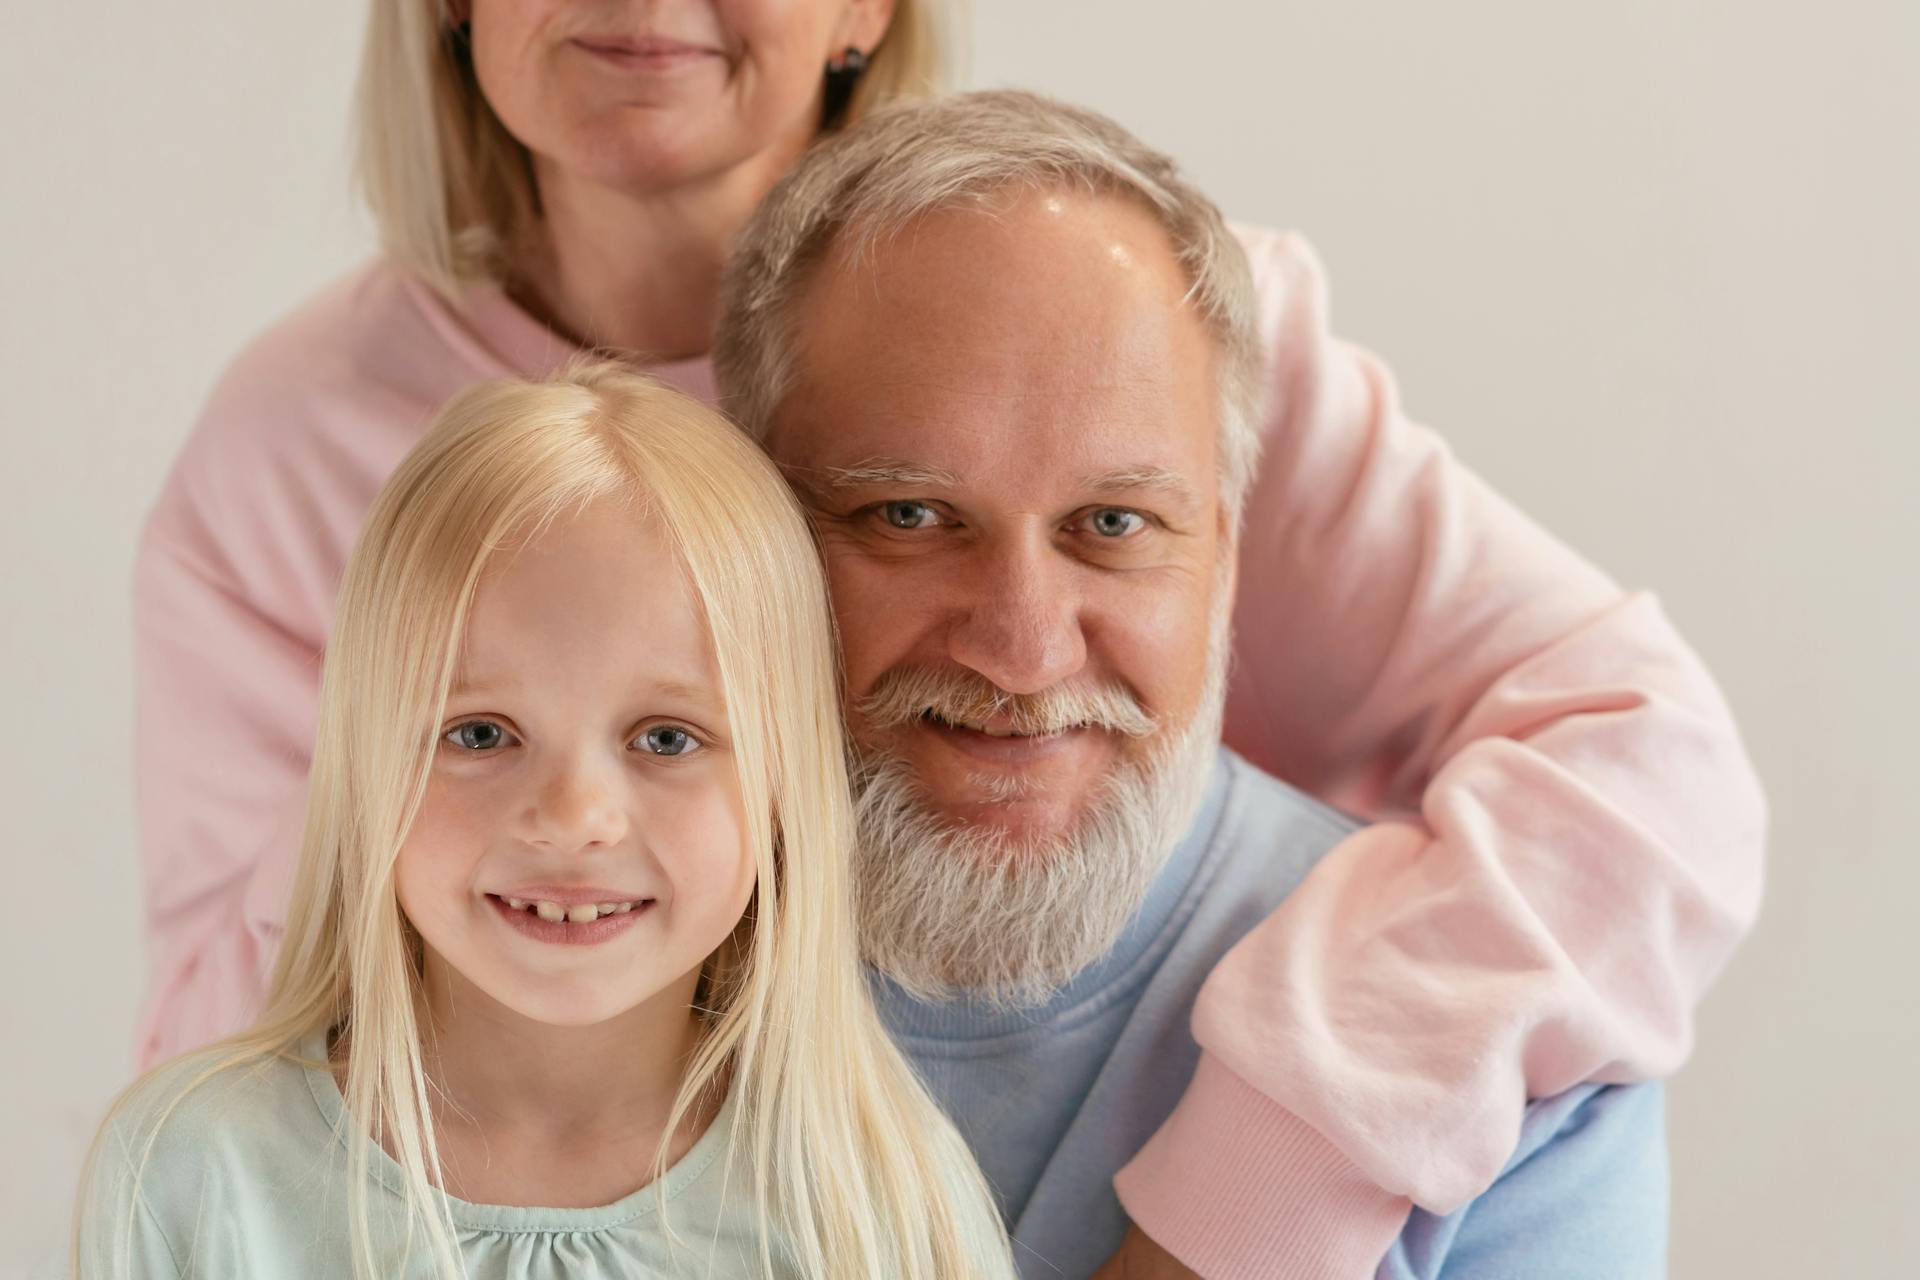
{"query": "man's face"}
[(1004, 428)]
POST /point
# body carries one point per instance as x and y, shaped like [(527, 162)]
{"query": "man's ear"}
[(862, 25)]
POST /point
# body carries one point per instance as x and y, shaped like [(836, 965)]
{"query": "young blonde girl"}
[(791, 1111)]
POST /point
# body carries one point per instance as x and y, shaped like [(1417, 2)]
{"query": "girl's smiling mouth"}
[(579, 922)]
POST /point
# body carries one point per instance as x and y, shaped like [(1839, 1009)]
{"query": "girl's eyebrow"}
[(680, 689), (466, 686), (683, 690)]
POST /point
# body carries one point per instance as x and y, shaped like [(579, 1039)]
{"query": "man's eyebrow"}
[(887, 471), (1152, 479)]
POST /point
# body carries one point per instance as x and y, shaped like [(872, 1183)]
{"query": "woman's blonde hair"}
[(452, 191), (852, 1167)]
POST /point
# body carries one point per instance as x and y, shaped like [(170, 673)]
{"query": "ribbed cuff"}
[(1239, 1188)]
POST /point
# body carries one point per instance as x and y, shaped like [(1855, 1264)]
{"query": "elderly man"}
[(1009, 361)]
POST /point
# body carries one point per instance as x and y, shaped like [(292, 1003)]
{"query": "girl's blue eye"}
[(1116, 522), (909, 515), (477, 735), (668, 740)]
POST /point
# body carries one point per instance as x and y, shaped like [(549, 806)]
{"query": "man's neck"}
[(639, 273)]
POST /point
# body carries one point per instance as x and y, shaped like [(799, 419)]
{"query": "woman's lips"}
[(650, 53)]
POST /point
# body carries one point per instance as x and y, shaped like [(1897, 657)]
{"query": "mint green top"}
[(248, 1177)]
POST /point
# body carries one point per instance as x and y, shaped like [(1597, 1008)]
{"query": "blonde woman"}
[(553, 174), (571, 985)]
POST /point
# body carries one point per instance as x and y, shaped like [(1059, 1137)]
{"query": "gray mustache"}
[(904, 695)]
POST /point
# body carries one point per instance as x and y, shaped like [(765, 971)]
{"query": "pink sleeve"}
[(233, 593), (233, 589), (224, 698), (1567, 838)]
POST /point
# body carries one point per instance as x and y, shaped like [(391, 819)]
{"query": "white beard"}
[(950, 911)]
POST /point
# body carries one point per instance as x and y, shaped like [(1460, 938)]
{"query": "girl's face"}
[(581, 846), (646, 97)]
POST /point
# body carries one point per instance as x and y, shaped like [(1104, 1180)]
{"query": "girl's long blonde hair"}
[(851, 1164), (452, 191)]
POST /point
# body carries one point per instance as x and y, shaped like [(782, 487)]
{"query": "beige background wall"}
[(1651, 266)]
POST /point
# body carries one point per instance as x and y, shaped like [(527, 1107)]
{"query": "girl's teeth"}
[(585, 913)]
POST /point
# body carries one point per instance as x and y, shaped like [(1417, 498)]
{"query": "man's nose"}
[(1020, 626), (576, 807)]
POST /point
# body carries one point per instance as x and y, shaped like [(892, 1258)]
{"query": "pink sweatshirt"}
[(1567, 833)]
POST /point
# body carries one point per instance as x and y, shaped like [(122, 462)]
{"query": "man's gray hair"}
[(908, 161)]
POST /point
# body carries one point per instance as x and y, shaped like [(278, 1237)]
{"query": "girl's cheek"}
[(455, 807), (446, 841), (716, 865), (742, 864)]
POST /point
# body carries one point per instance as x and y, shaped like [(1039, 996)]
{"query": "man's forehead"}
[(1064, 223), (968, 338), (1038, 260), (959, 439), (962, 425)]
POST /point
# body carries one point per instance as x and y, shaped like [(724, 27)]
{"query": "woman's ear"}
[(862, 24)]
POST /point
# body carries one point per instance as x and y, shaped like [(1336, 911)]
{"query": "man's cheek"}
[(1162, 655), (877, 616)]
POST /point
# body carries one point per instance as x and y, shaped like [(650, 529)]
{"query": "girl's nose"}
[(576, 809)]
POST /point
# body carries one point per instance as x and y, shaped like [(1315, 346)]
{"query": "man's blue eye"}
[(908, 515), (668, 740), (477, 735), (1115, 522)]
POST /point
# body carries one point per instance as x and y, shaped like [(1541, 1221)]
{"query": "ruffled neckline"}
[(631, 1209)]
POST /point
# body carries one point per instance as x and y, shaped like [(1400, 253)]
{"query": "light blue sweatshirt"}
[(1055, 1100)]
